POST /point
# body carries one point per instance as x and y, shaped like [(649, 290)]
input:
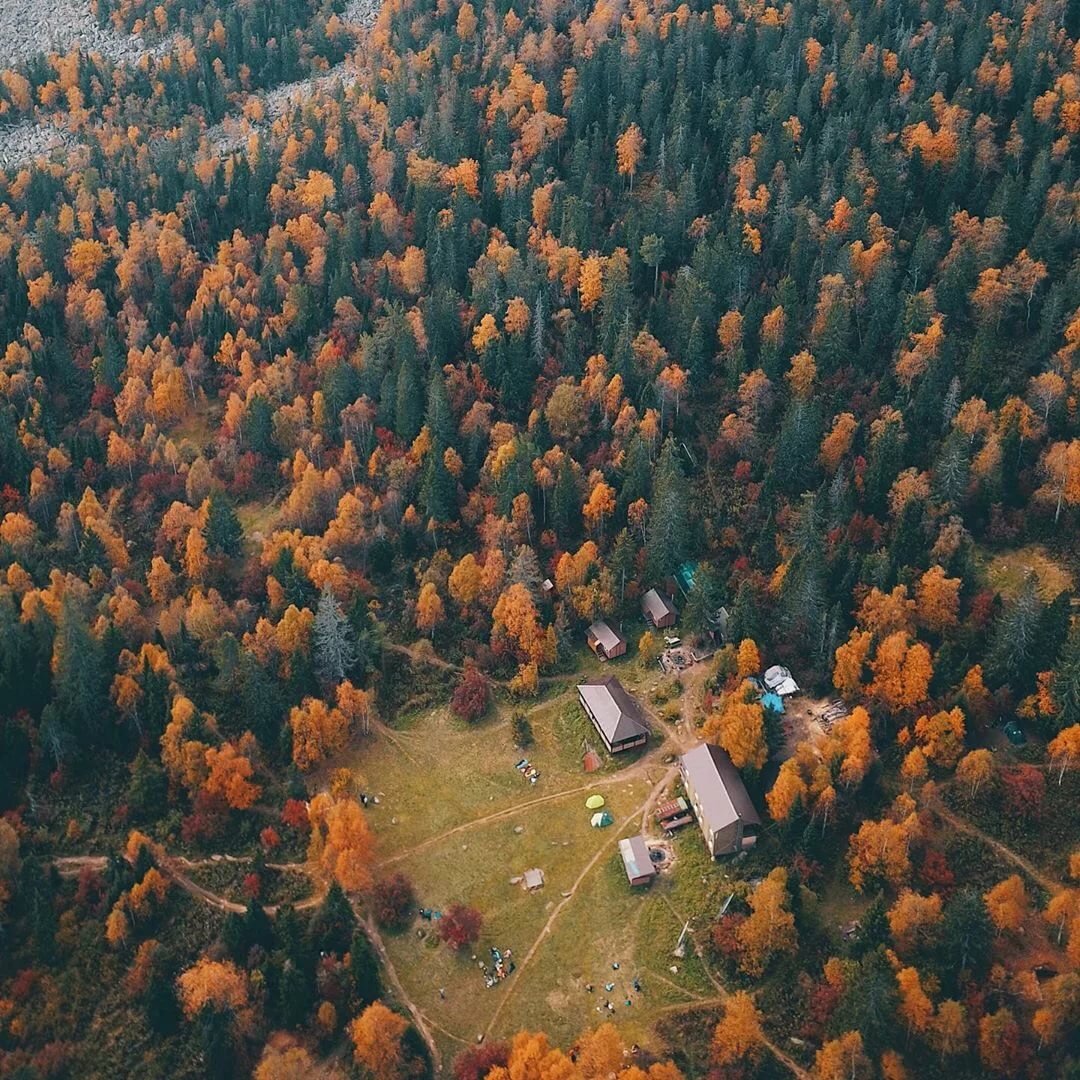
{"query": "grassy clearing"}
[(257, 517), (450, 804), (434, 772), (1005, 572)]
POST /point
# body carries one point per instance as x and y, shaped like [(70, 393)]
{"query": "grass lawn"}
[(1005, 572), (450, 804)]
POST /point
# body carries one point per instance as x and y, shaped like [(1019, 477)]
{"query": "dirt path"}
[(722, 994), (68, 866), (419, 1019), (424, 656), (1050, 884), (545, 930), (634, 772)]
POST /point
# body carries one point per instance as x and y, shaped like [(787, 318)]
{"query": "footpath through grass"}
[(460, 821)]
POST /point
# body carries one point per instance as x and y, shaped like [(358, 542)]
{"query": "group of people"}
[(607, 1005), (528, 770), (502, 967)]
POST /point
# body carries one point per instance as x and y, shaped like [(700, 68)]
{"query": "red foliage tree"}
[(295, 815), (1024, 788), (936, 874), (471, 695), (460, 925), (206, 820), (476, 1062)]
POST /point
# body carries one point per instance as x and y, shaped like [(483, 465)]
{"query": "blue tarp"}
[(773, 701)]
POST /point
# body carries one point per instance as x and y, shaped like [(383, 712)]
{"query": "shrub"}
[(522, 730), (460, 925), (393, 900)]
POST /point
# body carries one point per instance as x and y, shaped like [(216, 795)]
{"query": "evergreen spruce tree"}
[(1066, 683), (668, 533), (224, 534), (364, 970), (1011, 657), (333, 640)]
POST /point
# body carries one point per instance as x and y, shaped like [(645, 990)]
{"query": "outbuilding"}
[(604, 641), (658, 610), (636, 862)]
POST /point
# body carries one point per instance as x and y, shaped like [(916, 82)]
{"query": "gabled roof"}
[(656, 606), (616, 713), (601, 632), (635, 857), (721, 793)]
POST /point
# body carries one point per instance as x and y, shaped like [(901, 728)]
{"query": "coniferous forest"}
[(353, 370)]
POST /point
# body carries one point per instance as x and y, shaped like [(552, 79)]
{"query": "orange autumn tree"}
[(913, 919), (941, 736), (881, 850), (230, 772), (341, 842), (213, 982), (843, 1059), (376, 1036), (769, 929), (975, 769), (318, 730), (629, 148), (739, 727), (430, 612), (738, 1036), (1007, 905)]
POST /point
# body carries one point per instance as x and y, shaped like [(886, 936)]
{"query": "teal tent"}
[(602, 820)]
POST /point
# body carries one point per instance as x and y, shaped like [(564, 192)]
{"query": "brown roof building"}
[(604, 641), (658, 610), (615, 714), (727, 817)]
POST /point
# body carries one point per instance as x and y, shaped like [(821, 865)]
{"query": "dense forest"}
[(295, 427)]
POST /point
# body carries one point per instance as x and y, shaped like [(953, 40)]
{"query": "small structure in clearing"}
[(533, 880), (604, 641), (636, 862), (658, 610), (778, 679)]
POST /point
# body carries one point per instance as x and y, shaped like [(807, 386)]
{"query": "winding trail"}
[(545, 930), (1050, 884), (632, 773), (419, 1019)]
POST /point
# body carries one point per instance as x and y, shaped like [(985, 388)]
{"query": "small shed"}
[(636, 862), (604, 641), (533, 880), (658, 610)]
